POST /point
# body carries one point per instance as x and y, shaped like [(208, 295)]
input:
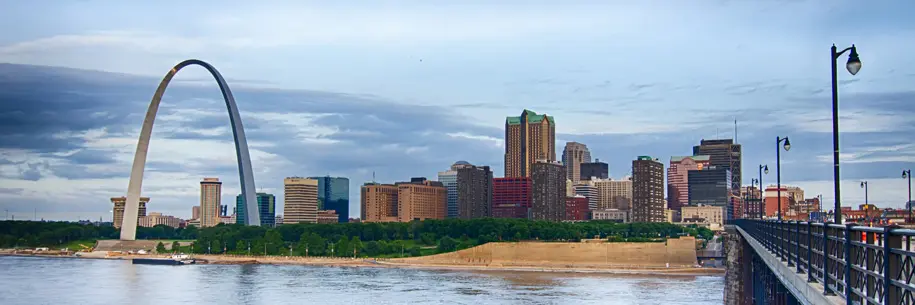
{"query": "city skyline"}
[(67, 163)]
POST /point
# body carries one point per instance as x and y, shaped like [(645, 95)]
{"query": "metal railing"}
[(867, 265)]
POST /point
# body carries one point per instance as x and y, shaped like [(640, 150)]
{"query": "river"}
[(34, 280)]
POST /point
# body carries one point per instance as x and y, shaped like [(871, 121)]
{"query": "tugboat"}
[(172, 260)]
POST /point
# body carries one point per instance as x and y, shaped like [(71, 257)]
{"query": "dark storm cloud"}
[(371, 133)]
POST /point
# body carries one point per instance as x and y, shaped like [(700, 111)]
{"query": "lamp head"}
[(766, 169), (863, 183), (787, 144), (905, 174), (854, 63)]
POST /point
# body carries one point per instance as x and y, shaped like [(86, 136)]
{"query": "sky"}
[(400, 89)]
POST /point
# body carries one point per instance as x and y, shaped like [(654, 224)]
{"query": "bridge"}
[(793, 262)]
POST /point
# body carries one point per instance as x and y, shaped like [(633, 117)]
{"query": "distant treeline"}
[(33, 233), (365, 239)]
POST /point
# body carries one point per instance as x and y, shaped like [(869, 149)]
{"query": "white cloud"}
[(495, 142), (894, 153)]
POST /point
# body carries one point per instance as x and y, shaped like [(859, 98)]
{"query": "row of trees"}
[(395, 239), (50, 234), (347, 239)]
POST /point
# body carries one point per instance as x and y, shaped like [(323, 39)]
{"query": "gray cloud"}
[(308, 133)]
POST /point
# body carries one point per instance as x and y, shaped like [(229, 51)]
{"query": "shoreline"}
[(374, 263)]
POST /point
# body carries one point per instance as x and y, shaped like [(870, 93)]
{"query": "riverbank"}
[(385, 263)]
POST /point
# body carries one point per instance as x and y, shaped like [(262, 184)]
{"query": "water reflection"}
[(25, 281)]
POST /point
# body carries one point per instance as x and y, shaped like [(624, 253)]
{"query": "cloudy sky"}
[(405, 89)]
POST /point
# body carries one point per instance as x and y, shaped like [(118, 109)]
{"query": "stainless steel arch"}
[(245, 174)]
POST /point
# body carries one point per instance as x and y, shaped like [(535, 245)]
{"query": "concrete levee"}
[(673, 253)]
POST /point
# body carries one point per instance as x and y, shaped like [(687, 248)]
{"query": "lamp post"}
[(778, 169), (853, 66), (907, 174), (754, 182), (867, 207), (762, 192)]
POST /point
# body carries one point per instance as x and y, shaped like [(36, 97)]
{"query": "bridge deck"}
[(796, 283)]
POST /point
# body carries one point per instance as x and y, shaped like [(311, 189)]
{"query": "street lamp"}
[(867, 207), (778, 169), (907, 174), (853, 66), (753, 183), (762, 193)]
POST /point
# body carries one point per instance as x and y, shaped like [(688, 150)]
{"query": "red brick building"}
[(511, 197), (577, 208)]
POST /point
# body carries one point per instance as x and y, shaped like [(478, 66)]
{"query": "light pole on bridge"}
[(778, 169), (853, 66), (762, 192), (907, 174), (867, 206)]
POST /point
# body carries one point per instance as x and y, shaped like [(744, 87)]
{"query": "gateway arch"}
[(245, 175)]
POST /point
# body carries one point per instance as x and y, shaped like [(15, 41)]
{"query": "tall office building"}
[(528, 138), (573, 155), (378, 202), (614, 194), (711, 186), (647, 190), (588, 190), (448, 178), (333, 194), (421, 199), (301, 200), (266, 205), (511, 197), (195, 212), (548, 198), (723, 154), (678, 178), (595, 169), (118, 211), (474, 186), (210, 202)]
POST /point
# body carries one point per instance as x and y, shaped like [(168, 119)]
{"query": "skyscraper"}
[(595, 169), (378, 202), (511, 197), (678, 179), (528, 138), (647, 190), (723, 154), (301, 200), (573, 155), (333, 194), (118, 211), (474, 187), (266, 204), (449, 180), (195, 212), (548, 198), (210, 202)]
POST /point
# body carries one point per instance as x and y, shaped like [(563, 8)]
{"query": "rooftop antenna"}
[(735, 130), (373, 176)]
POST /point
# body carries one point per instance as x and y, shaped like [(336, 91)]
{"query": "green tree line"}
[(359, 239), (50, 234)]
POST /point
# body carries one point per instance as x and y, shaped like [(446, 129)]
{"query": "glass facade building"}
[(333, 194), (710, 187), (265, 202)]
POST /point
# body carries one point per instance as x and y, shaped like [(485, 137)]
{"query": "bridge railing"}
[(866, 265)]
